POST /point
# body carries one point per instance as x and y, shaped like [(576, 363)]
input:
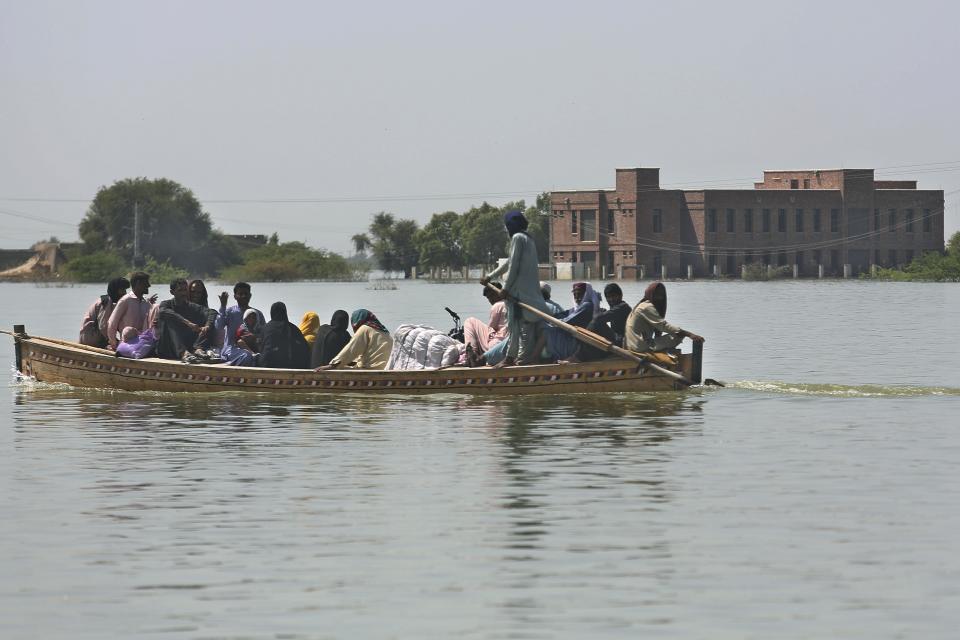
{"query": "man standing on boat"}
[(132, 310), (522, 284)]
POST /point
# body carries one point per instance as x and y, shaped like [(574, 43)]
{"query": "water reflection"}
[(572, 462)]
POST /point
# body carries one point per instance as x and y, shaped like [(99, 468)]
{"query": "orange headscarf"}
[(309, 325)]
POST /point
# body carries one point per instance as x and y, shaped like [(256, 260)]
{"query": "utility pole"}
[(137, 258)]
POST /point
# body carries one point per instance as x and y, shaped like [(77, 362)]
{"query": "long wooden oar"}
[(592, 339)]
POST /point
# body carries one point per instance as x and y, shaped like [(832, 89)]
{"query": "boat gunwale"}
[(203, 377)]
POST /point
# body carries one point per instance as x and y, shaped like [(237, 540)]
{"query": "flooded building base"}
[(808, 223)]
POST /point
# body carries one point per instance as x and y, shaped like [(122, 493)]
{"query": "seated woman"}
[(559, 344), (247, 332), (368, 349), (309, 324), (198, 293), (283, 346), (646, 329), (240, 349), (479, 336), (331, 338)]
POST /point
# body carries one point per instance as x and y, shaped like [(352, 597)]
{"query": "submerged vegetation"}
[(929, 267), (283, 261), (759, 271)]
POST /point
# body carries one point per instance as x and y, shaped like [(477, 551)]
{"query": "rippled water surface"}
[(816, 496)]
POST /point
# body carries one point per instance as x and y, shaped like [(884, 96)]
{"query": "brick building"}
[(828, 218)]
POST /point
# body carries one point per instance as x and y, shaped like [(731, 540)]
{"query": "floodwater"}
[(816, 496)]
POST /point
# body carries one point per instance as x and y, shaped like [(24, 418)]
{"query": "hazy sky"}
[(390, 106)]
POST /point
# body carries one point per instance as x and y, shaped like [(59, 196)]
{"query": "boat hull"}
[(55, 361)]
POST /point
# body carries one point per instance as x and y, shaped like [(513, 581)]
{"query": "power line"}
[(906, 169), (25, 216)]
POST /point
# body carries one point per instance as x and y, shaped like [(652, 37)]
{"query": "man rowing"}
[(522, 284)]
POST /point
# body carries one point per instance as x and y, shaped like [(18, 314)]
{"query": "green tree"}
[(482, 234), (361, 242), (953, 245), (539, 218), (393, 242), (405, 246), (173, 226), (439, 242)]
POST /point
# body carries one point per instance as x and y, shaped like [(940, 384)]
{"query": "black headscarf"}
[(283, 345), (115, 286), (202, 301), (278, 311), (331, 338), (514, 221)]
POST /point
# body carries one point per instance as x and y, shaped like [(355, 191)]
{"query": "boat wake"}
[(842, 390)]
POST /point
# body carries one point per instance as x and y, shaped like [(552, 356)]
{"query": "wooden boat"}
[(59, 361)]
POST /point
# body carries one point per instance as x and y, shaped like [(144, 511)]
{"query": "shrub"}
[(100, 266), (757, 271)]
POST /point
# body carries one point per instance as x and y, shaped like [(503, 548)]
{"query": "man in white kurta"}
[(522, 284)]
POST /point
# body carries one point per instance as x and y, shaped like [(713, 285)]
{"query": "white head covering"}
[(590, 295)]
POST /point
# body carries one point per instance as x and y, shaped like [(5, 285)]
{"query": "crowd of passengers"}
[(130, 322)]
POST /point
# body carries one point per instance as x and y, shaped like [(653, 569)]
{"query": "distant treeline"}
[(450, 240), (163, 223)]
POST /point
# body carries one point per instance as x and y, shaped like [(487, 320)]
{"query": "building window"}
[(834, 258), (658, 221), (611, 222), (834, 220), (782, 220), (573, 256), (798, 259), (799, 219), (794, 184), (816, 220), (748, 258), (892, 258), (927, 221), (765, 221), (909, 220), (748, 220), (730, 222), (892, 220), (782, 259), (806, 183), (712, 220), (574, 228), (657, 262), (731, 264), (766, 259), (817, 256), (588, 226)]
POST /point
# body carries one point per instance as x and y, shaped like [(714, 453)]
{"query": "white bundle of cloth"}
[(423, 347)]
